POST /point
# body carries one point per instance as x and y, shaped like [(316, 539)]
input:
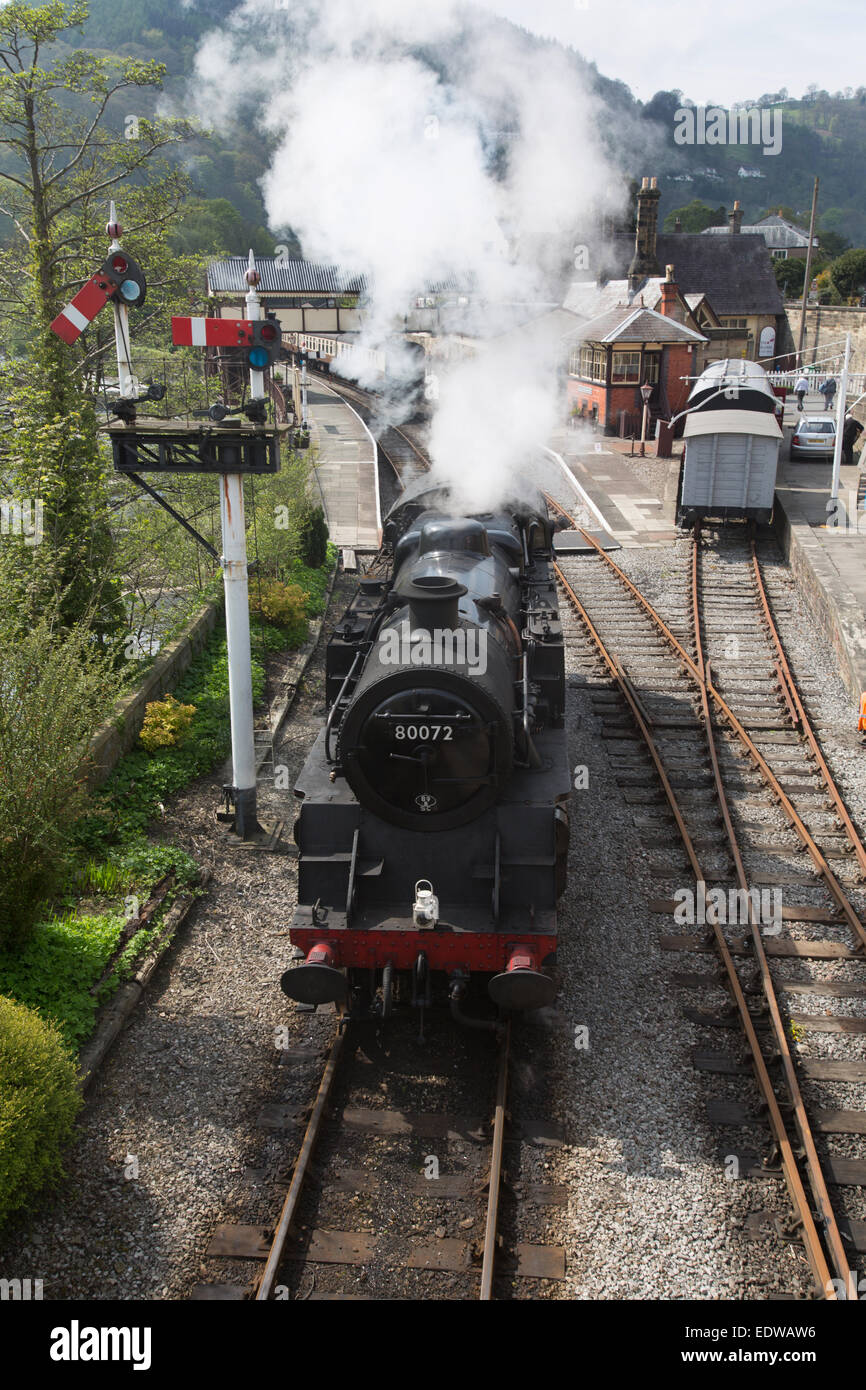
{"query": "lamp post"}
[(646, 391)]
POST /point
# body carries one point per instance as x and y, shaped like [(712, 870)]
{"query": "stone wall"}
[(826, 324), (119, 733)]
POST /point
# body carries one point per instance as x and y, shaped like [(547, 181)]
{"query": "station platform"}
[(346, 466), (825, 545), (636, 512)]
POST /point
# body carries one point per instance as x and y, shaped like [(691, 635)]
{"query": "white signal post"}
[(236, 583), (126, 379), (840, 419)]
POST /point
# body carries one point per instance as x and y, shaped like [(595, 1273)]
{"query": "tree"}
[(790, 274), (848, 273), (696, 217), (62, 160)]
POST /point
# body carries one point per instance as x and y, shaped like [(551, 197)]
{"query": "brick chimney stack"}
[(644, 261), (678, 226), (735, 219), (668, 305)]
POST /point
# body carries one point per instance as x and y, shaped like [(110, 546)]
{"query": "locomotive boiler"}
[(433, 830)]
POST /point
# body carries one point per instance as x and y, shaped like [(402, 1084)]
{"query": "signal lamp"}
[(127, 277), (267, 341)]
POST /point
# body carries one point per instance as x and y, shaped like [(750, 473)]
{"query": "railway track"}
[(393, 1194), (705, 706), (402, 450)]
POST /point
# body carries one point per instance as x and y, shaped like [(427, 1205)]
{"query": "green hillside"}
[(821, 133)]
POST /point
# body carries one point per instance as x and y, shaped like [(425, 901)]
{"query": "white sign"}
[(767, 343)]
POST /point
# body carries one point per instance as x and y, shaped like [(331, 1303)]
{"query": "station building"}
[(630, 345), (306, 297), (727, 281)]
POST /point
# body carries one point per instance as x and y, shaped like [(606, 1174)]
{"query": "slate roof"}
[(778, 234), (282, 277), (735, 272), (630, 324)]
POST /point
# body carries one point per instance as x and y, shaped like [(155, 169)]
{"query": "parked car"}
[(814, 437)]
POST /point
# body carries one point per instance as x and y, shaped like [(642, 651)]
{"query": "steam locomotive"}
[(433, 830)]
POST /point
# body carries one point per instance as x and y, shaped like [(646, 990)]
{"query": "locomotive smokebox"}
[(433, 601), (316, 981)]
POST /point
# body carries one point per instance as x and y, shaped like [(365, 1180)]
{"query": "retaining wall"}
[(118, 734)]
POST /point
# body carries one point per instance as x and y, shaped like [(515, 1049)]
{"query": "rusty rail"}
[(799, 715), (840, 897), (817, 1182), (495, 1177), (800, 1200), (283, 1228)]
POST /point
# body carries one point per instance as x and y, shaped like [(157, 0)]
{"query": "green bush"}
[(166, 723), (39, 1099), (130, 797), (55, 689), (314, 538), (284, 605)]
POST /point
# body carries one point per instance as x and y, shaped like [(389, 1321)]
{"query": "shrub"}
[(314, 538), (284, 605), (39, 1099), (55, 689), (130, 796), (166, 723)]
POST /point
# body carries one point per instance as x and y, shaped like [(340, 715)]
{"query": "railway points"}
[(750, 699)]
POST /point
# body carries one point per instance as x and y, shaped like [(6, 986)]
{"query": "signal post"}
[(228, 448)]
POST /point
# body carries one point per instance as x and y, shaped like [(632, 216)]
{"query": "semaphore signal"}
[(120, 279), (262, 338)]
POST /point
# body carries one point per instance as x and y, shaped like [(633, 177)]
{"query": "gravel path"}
[(168, 1143)]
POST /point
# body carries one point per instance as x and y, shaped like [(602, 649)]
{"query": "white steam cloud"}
[(425, 147)]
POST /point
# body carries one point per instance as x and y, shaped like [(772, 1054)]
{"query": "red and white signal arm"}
[(82, 310), (211, 332), (120, 278)]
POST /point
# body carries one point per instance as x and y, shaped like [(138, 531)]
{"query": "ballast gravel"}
[(169, 1144)]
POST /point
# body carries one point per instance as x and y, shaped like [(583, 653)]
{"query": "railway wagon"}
[(433, 828), (732, 440)]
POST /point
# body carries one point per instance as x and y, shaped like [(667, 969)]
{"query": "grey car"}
[(814, 437)]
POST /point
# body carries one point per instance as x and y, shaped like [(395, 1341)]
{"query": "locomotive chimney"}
[(432, 600)]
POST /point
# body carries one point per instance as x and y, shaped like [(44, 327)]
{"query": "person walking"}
[(800, 390), (851, 432), (828, 391)]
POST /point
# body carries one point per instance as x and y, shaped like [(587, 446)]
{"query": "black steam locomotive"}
[(433, 832)]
